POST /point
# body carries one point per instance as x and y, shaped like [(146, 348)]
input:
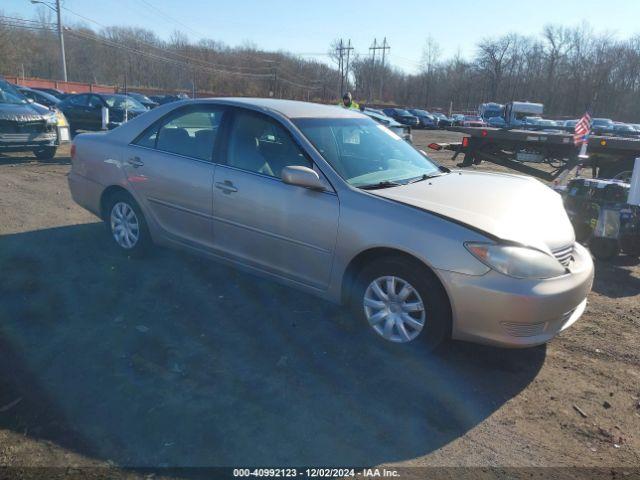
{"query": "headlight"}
[(62, 120), (518, 262), (52, 119)]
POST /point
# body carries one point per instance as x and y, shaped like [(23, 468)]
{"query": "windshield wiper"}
[(383, 184)]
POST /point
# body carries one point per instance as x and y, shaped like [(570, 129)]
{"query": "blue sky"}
[(308, 27)]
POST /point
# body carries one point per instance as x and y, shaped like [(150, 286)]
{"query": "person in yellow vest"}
[(347, 102)]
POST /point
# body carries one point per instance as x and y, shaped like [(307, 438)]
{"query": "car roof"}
[(288, 108)]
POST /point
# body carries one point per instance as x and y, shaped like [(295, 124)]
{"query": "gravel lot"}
[(176, 361)]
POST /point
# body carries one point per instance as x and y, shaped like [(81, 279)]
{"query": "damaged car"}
[(326, 200), (28, 126)]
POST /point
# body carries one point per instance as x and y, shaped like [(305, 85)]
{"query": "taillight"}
[(465, 142), (484, 133), (73, 150)]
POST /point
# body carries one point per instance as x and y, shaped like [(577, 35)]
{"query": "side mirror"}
[(302, 177)]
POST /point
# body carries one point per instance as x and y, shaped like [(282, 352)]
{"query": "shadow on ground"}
[(615, 279), (178, 361), (28, 157)]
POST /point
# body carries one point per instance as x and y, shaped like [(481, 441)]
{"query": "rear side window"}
[(191, 132)]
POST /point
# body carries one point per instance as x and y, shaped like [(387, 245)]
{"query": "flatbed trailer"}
[(519, 150)]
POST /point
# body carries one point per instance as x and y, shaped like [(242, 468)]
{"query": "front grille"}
[(30, 126), (564, 255)]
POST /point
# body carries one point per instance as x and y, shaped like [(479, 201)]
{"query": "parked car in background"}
[(43, 98), (602, 126), (473, 121), (570, 125), (84, 111), (425, 119), (402, 116), (539, 123), (457, 119), (496, 122), (162, 99), (624, 130), (29, 126), (326, 200), (443, 120), (403, 131), (143, 99), (53, 91)]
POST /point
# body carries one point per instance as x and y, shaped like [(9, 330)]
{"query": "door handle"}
[(226, 186), (135, 162)]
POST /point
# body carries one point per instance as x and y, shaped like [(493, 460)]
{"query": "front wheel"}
[(402, 301), (126, 224), (45, 153)]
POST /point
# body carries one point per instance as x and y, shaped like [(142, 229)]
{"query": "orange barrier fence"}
[(67, 87)]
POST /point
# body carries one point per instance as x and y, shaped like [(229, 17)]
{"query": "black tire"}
[(45, 153), (437, 327), (144, 242)]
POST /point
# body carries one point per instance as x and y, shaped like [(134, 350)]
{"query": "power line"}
[(170, 18)]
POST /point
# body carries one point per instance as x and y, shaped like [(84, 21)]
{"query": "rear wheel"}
[(45, 153), (126, 224), (402, 302)]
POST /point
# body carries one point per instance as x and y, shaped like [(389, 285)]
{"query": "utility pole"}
[(343, 72), (58, 11), (373, 50), (385, 47), (61, 38)]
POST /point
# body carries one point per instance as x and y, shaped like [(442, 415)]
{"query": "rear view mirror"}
[(302, 177)]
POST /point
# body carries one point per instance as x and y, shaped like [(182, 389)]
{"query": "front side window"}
[(191, 132), (261, 145), (365, 153), (79, 100), (95, 102)]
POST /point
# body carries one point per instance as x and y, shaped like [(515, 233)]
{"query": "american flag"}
[(583, 127)]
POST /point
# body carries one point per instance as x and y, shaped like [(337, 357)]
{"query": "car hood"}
[(23, 112), (510, 207)]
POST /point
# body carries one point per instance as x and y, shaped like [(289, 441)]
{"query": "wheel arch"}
[(364, 257), (107, 193)]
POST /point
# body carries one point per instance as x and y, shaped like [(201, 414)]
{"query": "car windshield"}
[(140, 97), (602, 122), (122, 101), (365, 153), (422, 113), (472, 118), (402, 112), (8, 94)]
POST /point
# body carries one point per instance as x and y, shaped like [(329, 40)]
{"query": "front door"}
[(171, 168), (260, 220)]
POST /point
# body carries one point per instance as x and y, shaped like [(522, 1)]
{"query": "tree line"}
[(569, 69)]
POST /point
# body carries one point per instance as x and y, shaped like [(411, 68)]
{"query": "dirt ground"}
[(176, 361)]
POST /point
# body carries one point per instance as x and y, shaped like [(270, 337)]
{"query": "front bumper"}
[(499, 310), (17, 142)]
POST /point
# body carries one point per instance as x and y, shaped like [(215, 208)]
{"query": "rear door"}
[(262, 221), (171, 168)]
